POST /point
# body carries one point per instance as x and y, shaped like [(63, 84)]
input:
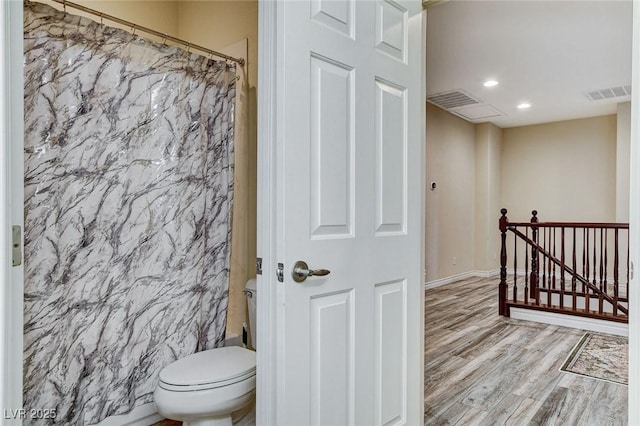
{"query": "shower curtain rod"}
[(134, 27)]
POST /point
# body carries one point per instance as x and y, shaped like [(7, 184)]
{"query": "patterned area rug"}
[(600, 356)]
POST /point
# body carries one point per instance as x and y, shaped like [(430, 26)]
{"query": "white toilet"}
[(206, 388)]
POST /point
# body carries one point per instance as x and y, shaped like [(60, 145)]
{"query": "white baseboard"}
[(462, 276), (563, 320), (143, 415), (487, 274)]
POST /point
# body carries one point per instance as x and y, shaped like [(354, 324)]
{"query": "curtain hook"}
[(64, 6), (133, 29), (164, 40), (101, 18), (188, 47)]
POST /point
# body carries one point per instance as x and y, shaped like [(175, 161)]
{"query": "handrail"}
[(577, 266), (588, 225), (568, 269)]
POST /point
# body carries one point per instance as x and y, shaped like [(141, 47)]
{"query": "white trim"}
[(487, 274), (5, 216), (448, 280), (11, 204), (563, 320), (142, 415), (423, 212), (267, 372), (453, 278), (634, 223), (520, 272)]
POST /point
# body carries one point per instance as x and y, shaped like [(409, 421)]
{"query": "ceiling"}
[(549, 54)]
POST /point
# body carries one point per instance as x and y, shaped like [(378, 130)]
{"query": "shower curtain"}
[(128, 196)]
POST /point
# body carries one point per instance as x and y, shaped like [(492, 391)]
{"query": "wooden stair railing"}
[(569, 269)]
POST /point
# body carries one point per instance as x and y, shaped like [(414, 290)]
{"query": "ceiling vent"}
[(609, 93), (453, 99), (464, 106)]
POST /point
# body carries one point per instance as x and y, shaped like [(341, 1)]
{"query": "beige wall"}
[(565, 170), (623, 165), (450, 208), (573, 170), (488, 182), (155, 14), (215, 25)]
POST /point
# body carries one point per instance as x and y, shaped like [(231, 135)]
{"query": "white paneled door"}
[(349, 133)]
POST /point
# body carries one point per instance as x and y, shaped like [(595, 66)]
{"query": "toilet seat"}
[(205, 386), (209, 369)]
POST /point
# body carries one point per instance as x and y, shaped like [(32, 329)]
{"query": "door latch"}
[(259, 266), (16, 245), (280, 272)]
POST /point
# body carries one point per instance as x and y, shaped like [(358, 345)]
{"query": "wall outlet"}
[(454, 260)]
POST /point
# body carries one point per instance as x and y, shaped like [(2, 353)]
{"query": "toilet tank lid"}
[(252, 285), (211, 366)]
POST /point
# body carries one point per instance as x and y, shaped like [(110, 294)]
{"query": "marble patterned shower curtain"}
[(128, 196)]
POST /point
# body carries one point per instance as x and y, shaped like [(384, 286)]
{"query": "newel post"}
[(533, 277), (502, 289)]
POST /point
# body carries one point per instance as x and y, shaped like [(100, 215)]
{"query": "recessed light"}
[(490, 83), (524, 106)]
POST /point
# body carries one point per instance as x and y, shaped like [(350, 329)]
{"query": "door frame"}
[(269, 87), (11, 205), (634, 222)]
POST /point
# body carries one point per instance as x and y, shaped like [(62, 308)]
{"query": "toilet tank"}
[(251, 290)]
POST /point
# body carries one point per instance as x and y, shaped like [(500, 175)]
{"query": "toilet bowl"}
[(206, 388)]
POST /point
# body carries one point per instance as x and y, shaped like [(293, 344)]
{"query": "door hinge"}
[(631, 272), (280, 272), (16, 245), (259, 266)]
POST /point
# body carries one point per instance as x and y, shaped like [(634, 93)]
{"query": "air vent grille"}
[(609, 93), (454, 99)]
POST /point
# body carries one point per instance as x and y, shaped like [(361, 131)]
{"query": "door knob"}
[(301, 271)]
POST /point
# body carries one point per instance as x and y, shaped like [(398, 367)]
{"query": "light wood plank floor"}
[(483, 369)]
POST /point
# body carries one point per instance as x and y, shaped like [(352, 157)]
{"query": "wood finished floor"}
[(483, 369)]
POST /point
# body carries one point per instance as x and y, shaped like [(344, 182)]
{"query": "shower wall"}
[(216, 25), (128, 194)]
